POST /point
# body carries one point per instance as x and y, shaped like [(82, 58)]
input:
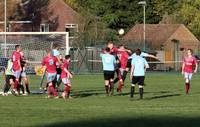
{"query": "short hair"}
[(67, 57), (121, 45), (110, 42), (55, 46), (48, 50), (107, 49), (138, 52), (190, 50), (17, 47)]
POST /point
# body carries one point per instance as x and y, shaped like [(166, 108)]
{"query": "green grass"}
[(164, 105)]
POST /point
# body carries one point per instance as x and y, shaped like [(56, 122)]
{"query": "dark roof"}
[(65, 14)]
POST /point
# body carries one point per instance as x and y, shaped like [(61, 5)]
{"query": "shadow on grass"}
[(87, 93), (132, 122), (163, 96)]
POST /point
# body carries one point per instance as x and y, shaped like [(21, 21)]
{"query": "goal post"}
[(29, 38), (33, 44)]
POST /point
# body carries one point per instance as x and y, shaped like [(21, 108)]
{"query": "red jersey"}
[(64, 66), (123, 58), (50, 63), (189, 62), (16, 58), (113, 51)]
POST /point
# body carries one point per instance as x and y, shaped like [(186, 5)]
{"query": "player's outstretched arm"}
[(196, 67), (68, 73), (152, 56)]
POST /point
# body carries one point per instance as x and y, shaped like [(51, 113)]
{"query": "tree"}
[(114, 14), (12, 9), (189, 14)]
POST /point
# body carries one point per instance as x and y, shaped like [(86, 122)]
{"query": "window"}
[(72, 29), (44, 27)]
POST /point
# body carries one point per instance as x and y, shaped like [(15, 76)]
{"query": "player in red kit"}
[(16, 59), (65, 75), (123, 58), (50, 62), (189, 62)]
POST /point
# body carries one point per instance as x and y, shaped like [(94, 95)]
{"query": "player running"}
[(50, 62), (137, 75), (189, 62), (65, 75), (16, 59), (108, 61)]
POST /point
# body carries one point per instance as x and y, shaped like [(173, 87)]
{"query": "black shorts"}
[(8, 77), (59, 71), (108, 75), (138, 79), (129, 63)]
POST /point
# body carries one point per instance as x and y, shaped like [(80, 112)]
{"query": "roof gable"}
[(155, 33), (184, 35)]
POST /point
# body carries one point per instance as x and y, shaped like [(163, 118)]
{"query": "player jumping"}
[(108, 61), (50, 62)]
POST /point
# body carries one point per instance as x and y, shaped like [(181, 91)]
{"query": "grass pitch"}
[(164, 105)]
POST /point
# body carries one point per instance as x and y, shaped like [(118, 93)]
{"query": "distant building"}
[(169, 40), (61, 18)]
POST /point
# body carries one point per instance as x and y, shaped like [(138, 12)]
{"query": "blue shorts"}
[(66, 81), (17, 74), (50, 77), (23, 74)]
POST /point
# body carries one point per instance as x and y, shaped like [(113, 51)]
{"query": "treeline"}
[(116, 14)]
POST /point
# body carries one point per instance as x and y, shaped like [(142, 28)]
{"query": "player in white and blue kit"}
[(137, 75), (57, 54), (108, 61)]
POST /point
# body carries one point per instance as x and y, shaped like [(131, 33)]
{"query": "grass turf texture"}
[(164, 105)]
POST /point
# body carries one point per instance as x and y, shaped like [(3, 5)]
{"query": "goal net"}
[(33, 45)]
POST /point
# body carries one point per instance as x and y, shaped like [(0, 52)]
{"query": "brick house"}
[(168, 40), (61, 17)]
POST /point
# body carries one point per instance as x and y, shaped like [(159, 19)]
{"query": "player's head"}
[(48, 51), (121, 46), (18, 48), (107, 50), (110, 44), (55, 46), (189, 52), (67, 57), (138, 52)]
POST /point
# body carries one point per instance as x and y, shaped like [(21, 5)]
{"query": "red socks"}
[(16, 85), (67, 89), (52, 91), (187, 87)]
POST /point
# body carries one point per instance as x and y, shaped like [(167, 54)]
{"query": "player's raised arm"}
[(196, 65), (146, 64)]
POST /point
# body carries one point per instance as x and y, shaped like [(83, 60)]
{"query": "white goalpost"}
[(33, 44), (12, 37)]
